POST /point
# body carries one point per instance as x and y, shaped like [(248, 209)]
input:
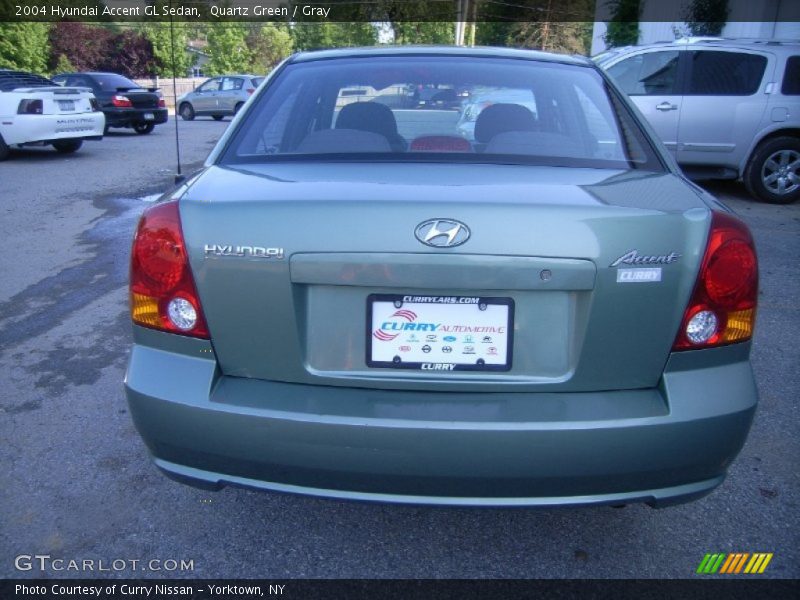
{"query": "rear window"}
[(725, 73), (441, 109), (791, 77), (110, 82)]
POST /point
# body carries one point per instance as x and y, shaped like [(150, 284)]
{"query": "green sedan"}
[(362, 298)]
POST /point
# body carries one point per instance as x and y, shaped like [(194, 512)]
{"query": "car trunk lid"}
[(596, 266)]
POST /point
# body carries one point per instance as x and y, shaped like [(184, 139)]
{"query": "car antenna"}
[(179, 178)]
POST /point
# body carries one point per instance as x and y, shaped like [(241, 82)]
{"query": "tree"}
[(63, 65), (623, 29), (557, 26), (706, 17), (427, 32), (132, 55), (24, 46), (566, 37), (227, 48), (269, 44), (88, 48), (319, 35), (160, 34)]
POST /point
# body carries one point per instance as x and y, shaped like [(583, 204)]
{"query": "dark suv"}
[(124, 102)]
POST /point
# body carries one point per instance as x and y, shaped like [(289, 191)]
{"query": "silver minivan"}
[(218, 97), (726, 109)]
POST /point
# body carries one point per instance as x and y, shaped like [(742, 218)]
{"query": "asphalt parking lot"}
[(76, 482)]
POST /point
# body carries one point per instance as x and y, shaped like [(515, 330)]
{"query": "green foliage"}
[(706, 17), (227, 48), (63, 65), (430, 32), (566, 37), (24, 46), (623, 29), (493, 33), (158, 33), (319, 35), (269, 44)]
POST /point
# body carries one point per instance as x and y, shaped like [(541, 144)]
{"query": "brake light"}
[(162, 291), (121, 101), (95, 104), (250, 91), (162, 103), (722, 309), (30, 107)]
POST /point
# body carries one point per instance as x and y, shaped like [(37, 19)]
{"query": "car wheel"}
[(67, 146), (143, 128), (238, 107), (3, 149), (773, 173), (187, 112), (218, 117)]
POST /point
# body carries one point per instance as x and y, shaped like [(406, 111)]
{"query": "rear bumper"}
[(660, 446), (125, 117), (25, 129)]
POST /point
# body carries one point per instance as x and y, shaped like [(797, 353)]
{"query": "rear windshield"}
[(453, 109), (111, 82)]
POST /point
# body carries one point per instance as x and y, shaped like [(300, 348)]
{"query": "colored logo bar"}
[(734, 563)]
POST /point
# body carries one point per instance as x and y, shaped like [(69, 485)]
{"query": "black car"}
[(124, 102)]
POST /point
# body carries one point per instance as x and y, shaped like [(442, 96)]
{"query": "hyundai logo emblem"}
[(442, 233)]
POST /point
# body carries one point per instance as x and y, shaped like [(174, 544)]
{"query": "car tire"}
[(67, 146), (144, 128), (4, 151), (218, 117), (186, 111), (238, 107), (773, 172)]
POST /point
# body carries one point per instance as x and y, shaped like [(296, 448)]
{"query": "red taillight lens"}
[(95, 104), (250, 90), (722, 309), (162, 103), (121, 101), (162, 291)]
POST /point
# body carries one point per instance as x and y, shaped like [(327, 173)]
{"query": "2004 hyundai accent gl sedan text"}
[(360, 298)]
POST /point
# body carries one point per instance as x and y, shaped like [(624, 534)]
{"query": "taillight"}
[(162, 103), (723, 305), (121, 101), (162, 291), (250, 91), (30, 107), (95, 104)]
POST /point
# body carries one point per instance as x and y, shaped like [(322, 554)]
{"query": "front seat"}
[(501, 118), (375, 118)]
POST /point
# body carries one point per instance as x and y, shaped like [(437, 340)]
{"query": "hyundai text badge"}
[(442, 233)]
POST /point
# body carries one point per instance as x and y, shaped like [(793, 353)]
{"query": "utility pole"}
[(462, 14)]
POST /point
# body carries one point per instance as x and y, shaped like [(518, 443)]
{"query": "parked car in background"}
[(373, 306), (36, 111), (124, 102), (218, 97), (727, 109)]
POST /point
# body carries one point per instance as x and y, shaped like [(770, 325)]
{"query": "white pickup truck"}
[(35, 111)]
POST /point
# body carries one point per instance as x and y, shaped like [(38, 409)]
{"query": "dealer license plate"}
[(66, 105), (439, 333)]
